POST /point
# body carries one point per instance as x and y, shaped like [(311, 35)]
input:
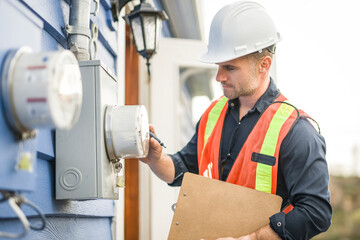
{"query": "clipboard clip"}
[(173, 207)]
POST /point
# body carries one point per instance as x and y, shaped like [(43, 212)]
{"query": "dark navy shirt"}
[(303, 176)]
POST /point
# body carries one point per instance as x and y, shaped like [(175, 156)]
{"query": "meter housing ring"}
[(6, 92), (126, 132)]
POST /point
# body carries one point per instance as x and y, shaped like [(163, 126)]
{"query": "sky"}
[(317, 68)]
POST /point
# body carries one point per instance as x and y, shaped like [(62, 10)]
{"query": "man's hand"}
[(251, 236), (265, 233), (247, 237), (160, 163), (155, 149)]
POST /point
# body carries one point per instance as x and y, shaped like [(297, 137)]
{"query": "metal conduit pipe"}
[(78, 30)]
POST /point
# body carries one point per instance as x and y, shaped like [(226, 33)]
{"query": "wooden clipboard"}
[(209, 209)]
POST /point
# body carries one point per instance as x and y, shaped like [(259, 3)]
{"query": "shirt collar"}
[(264, 101)]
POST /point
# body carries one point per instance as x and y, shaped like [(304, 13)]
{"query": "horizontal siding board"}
[(45, 148), (24, 29), (106, 4), (63, 228), (50, 14), (54, 12)]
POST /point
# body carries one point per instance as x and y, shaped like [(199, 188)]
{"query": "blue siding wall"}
[(38, 24), (59, 228)]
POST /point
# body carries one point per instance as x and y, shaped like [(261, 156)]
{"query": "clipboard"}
[(209, 209)]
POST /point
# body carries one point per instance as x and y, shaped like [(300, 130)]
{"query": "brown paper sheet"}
[(208, 209)]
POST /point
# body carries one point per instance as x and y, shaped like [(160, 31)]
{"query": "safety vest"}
[(256, 166)]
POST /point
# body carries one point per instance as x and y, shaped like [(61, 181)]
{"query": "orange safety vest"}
[(256, 166)]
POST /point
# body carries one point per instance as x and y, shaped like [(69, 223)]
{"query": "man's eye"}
[(229, 68)]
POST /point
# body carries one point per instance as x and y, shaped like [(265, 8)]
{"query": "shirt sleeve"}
[(185, 160), (305, 171)]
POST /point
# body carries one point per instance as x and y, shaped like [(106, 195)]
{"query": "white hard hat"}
[(239, 29)]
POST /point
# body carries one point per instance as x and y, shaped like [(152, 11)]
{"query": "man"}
[(252, 136)]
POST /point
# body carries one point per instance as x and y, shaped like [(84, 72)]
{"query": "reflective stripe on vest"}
[(213, 117), (263, 171)]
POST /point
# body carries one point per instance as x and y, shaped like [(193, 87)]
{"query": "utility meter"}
[(126, 132), (41, 90)]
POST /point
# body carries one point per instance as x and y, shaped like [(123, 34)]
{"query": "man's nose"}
[(220, 76)]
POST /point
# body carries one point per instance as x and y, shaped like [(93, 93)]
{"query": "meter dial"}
[(126, 132), (41, 90)]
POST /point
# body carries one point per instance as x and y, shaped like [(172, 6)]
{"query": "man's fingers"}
[(154, 144), (151, 128)]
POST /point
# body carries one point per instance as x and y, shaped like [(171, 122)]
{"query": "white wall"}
[(161, 97), (118, 223)]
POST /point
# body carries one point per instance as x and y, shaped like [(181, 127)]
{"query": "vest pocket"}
[(262, 158)]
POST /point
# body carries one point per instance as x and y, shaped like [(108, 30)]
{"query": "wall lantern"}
[(145, 23)]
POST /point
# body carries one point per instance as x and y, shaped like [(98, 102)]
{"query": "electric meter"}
[(126, 132), (41, 90)]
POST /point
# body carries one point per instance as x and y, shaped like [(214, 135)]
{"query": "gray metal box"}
[(83, 170)]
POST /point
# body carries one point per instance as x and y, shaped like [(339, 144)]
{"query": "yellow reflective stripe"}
[(263, 177), (263, 171), (214, 115), (270, 141)]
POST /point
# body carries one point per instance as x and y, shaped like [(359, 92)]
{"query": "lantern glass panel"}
[(158, 30), (136, 27), (149, 28)]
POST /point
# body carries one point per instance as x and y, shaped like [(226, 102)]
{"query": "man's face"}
[(238, 77)]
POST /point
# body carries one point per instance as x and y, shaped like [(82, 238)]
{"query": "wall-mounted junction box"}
[(83, 170)]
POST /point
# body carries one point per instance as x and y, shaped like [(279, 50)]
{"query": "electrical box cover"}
[(83, 170)]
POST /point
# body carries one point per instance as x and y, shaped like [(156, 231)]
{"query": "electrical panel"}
[(83, 170)]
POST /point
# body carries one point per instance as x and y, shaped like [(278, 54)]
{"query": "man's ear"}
[(265, 64)]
